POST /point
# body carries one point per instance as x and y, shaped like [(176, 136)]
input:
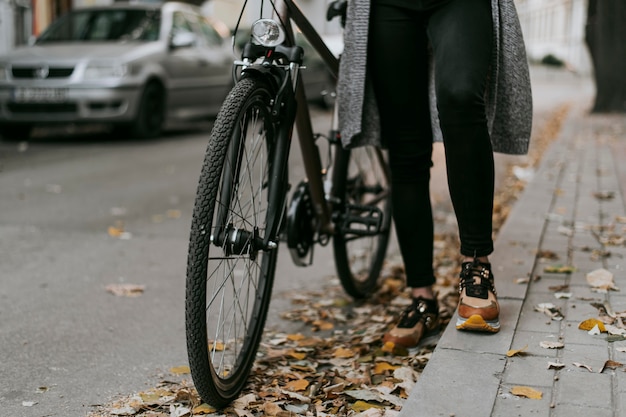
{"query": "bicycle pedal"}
[(362, 220)]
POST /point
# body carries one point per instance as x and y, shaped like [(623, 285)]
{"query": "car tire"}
[(151, 113), (15, 132)]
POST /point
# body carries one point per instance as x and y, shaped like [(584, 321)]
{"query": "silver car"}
[(133, 66)]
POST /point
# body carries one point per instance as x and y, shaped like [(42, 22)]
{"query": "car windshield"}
[(104, 25)]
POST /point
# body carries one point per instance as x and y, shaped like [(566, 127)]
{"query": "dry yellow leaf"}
[(115, 231), (527, 392), (180, 370), (590, 324), (388, 347), (297, 385), (381, 367), (361, 406), (203, 409), (295, 337), (309, 341), (343, 353), (217, 346), (296, 355), (323, 325), (514, 352)]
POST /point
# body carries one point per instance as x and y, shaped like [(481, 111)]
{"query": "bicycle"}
[(242, 211)]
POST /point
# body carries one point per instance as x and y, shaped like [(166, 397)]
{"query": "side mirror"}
[(182, 40)]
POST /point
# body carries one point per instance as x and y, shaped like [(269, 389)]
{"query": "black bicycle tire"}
[(355, 287), (213, 389)]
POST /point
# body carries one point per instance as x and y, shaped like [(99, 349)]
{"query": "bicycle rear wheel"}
[(361, 183), (229, 272)]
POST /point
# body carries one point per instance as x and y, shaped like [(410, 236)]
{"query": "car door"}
[(199, 72), (218, 52)]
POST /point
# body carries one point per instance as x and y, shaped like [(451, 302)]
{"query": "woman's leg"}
[(461, 34), (398, 68)]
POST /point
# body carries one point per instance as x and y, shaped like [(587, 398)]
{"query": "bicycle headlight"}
[(268, 32)]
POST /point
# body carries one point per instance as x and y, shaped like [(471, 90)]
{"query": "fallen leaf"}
[(123, 411), (118, 231), (216, 346), (126, 290), (173, 214), (382, 367), (361, 406), (271, 409), (551, 345), (388, 347), (611, 365), (527, 392), (203, 409), (297, 385), (615, 338), (563, 295), (180, 370), (28, 403), (514, 352), (601, 279), (559, 269), (558, 288), (604, 195), (550, 310), (177, 410), (595, 331), (582, 365), (322, 325), (547, 254), (555, 365), (589, 324), (343, 353)]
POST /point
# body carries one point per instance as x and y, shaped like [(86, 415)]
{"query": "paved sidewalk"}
[(573, 204)]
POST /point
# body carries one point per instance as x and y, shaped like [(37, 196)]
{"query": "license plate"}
[(39, 95)]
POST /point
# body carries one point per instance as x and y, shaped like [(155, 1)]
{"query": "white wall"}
[(556, 27), (7, 37)]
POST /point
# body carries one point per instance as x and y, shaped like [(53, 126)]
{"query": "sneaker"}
[(420, 318), (478, 306)]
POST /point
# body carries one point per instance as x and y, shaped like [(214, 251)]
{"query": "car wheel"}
[(15, 132), (151, 113)]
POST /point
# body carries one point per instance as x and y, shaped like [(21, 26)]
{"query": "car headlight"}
[(98, 71)]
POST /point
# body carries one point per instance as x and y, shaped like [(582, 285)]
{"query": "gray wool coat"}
[(508, 95)]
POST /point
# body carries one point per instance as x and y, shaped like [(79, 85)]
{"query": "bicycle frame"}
[(288, 12)]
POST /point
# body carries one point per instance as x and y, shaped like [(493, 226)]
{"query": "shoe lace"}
[(477, 279), (418, 310)]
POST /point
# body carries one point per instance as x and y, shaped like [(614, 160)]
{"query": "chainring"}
[(301, 226)]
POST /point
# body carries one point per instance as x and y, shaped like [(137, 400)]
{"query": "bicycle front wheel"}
[(231, 267), (361, 183)]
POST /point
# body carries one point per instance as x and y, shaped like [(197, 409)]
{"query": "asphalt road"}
[(65, 342), (61, 332)]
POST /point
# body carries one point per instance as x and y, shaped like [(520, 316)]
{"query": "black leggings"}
[(460, 33)]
